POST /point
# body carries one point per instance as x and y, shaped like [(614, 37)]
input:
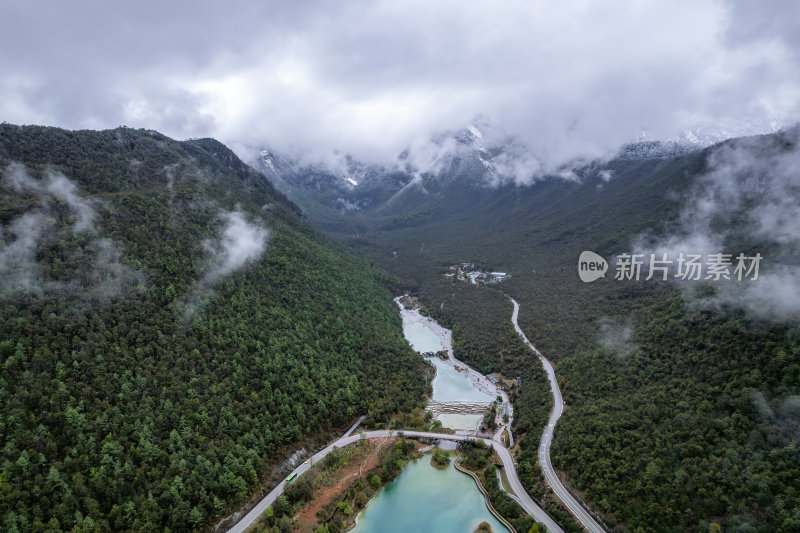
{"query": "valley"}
[(383, 266), (426, 336), (198, 354), (608, 341), (461, 396)]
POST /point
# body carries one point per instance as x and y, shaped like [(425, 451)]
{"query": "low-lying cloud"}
[(18, 266), (109, 277), (240, 243), (615, 337), (747, 201), (55, 185), (63, 189), (781, 417), (21, 239), (480, 148)]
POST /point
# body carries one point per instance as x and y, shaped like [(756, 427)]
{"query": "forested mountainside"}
[(683, 402), (170, 330)]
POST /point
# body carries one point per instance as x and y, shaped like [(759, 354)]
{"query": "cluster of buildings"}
[(500, 382), (468, 272)]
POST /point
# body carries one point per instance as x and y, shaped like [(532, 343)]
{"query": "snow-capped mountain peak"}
[(475, 131)]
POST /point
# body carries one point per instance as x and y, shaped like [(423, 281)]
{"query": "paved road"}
[(547, 438), (524, 499), (500, 484)]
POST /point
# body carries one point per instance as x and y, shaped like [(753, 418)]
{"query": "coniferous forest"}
[(171, 329), (680, 416)]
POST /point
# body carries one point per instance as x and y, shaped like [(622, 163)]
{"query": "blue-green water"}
[(422, 339), (452, 386), (423, 499), (448, 385)]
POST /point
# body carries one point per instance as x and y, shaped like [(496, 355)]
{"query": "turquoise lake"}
[(448, 385), (421, 338), (425, 500), (452, 386)]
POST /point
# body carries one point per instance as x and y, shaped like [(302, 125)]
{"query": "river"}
[(453, 381), (433, 502)]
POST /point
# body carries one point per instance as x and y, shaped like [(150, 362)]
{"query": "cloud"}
[(58, 186), (18, 266), (63, 189), (481, 149), (781, 420), (430, 155), (106, 278), (774, 296), (239, 244), (615, 337), (109, 278), (606, 175), (369, 78), (747, 201)]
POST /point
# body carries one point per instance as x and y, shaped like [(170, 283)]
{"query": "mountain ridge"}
[(451, 172), (662, 380), (171, 331)]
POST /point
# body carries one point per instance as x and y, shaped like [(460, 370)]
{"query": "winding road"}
[(550, 475), (522, 497), (520, 494)]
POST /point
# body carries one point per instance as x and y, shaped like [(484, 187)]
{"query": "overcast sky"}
[(568, 78)]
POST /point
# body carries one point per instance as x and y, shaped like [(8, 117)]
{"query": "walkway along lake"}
[(424, 499)]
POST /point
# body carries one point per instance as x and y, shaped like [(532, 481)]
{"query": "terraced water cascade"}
[(460, 394)]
